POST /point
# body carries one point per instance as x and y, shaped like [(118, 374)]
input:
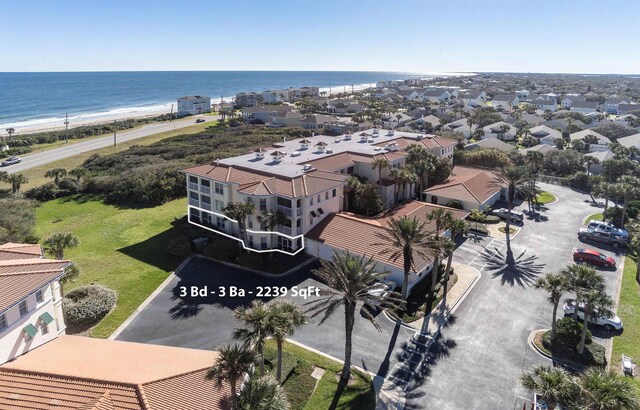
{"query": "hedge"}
[(88, 304)]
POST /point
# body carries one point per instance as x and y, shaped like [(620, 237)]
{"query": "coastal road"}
[(66, 151)]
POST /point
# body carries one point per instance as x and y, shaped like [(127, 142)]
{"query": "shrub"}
[(478, 228), (492, 219), (454, 204), (614, 214), (43, 192), (88, 304), (581, 181), (17, 220), (568, 333), (477, 216)]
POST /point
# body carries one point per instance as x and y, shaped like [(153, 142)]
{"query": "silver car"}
[(11, 161), (504, 213), (608, 238)]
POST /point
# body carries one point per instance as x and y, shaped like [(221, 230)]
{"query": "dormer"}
[(304, 144), (260, 153), (278, 155), (321, 146)]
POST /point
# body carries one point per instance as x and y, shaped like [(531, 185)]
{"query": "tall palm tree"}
[(406, 239), (456, 227), (422, 162), (627, 187), (257, 319), (556, 285), (16, 181), (596, 303), (402, 177), (351, 186), (439, 248), (380, 164), (57, 174), (239, 211), (351, 279), (262, 393), (286, 318), (590, 161), (230, 366), (514, 178), (554, 385), (59, 241), (602, 390)]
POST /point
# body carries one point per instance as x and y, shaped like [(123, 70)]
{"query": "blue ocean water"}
[(33, 98)]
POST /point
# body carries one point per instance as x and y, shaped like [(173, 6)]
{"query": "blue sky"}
[(573, 36)]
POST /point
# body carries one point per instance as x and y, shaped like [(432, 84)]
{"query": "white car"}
[(381, 289), (610, 323), (504, 212), (606, 227)]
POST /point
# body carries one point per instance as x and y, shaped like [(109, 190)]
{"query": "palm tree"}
[(554, 385), (351, 279), (514, 177), (628, 187), (407, 239), (556, 285), (590, 161), (439, 248), (634, 245), (78, 173), (286, 317), (380, 164), (16, 181), (596, 303), (602, 390), (257, 319), (230, 366), (351, 185), (59, 241), (262, 393), (422, 162), (455, 227), (239, 211), (402, 177), (57, 174)]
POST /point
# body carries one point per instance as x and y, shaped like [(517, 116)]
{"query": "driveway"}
[(479, 359)]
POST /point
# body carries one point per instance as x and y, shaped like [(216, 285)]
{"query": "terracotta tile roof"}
[(11, 250), (467, 184), (430, 141), (358, 234), (20, 277), (73, 372), (257, 183)]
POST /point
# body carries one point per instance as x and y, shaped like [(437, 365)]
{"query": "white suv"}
[(610, 323)]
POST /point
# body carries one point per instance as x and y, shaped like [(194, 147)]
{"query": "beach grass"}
[(36, 175), (122, 249)]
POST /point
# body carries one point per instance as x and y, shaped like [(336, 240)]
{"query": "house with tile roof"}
[(359, 235), (474, 188), (73, 372), (30, 299), (302, 179)]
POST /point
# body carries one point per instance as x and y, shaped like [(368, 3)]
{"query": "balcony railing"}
[(284, 229), (299, 231), (194, 202), (289, 211), (193, 186), (205, 189), (205, 205)]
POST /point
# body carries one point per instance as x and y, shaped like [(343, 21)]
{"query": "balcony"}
[(194, 202), (289, 211), (205, 189), (206, 206), (289, 231), (193, 186)]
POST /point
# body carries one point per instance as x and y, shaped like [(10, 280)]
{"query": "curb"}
[(257, 272), (565, 363), (328, 356), (616, 298)]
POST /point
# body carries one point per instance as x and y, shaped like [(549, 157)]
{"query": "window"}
[(263, 204), (219, 205), (320, 211), (206, 199), (193, 195), (205, 183), (251, 241), (263, 243), (3, 322), (334, 193), (250, 224), (219, 188), (311, 201), (318, 198), (44, 328), (326, 195), (193, 180), (206, 218), (39, 296), (23, 308), (220, 222), (314, 214), (310, 219), (350, 170)]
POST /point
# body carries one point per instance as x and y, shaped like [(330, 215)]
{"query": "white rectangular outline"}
[(301, 236)]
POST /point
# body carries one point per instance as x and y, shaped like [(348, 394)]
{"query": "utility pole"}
[(66, 128), (114, 129)]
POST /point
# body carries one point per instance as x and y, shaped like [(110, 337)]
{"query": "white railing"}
[(289, 211), (194, 202), (284, 229), (205, 189), (206, 206), (193, 186)]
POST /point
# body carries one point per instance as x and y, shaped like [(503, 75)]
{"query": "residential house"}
[(522, 95), (505, 102), (545, 135), (304, 179), (74, 372), (250, 99), (490, 143), (474, 188), (624, 108), (342, 232), (563, 124), (631, 141), (193, 104), (285, 118), (611, 104), (542, 148), (30, 299), (627, 118), (316, 121), (601, 156), (461, 126), (417, 112), (275, 96), (545, 105), (473, 98), (395, 120), (532, 120), (594, 140), (344, 106), (568, 101), (437, 95), (584, 107), (500, 130), (264, 114), (432, 120)]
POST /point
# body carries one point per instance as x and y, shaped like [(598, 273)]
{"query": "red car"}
[(593, 257)]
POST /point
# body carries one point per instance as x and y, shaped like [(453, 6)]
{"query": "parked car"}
[(606, 227), (504, 213), (11, 161), (382, 289), (200, 120), (607, 238), (593, 257), (609, 322)]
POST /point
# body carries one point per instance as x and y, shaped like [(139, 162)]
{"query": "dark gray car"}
[(607, 238)]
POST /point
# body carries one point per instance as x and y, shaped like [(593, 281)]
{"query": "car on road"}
[(610, 322), (607, 227), (607, 238), (593, 257), (11, 161), (504, 213), (200, 120)]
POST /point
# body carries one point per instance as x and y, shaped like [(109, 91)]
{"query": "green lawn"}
[(503, 229), (628, 342), (119, 248), (299, 385), (545, 197), (594, 217)]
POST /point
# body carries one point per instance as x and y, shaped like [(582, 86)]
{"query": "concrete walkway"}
[(391, 390)]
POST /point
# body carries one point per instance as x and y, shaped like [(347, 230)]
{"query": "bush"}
[(478, 228), (289, 362), (492, 219), (43, 192), (477, 216), (88, 304), (454, 204), (568, 333), (614, 214), (17, 220), (580, 180)]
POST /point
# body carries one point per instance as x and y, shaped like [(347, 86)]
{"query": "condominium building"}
[(302, 181), (193, 104)]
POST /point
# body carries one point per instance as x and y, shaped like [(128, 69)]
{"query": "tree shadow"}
[(385, 365), (521, 270)]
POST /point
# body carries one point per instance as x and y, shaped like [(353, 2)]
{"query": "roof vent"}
[(347, 137), (370, 140), (392, 146), (307, 167), (419, 137), (329, 151), (377, 149), (338, 139), (295, 154)]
